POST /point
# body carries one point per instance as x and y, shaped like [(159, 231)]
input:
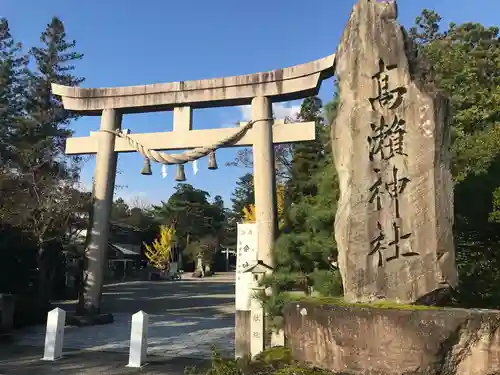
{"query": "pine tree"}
[(304, 250), (12, 88), (307, 156), (200, 225), (243, 196), (44, 132), (464, 61), (46, 199), (189, 210)]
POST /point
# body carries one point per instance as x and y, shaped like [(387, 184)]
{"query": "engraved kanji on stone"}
[(395, 188), (387, 140), (246, 248), (256, 318), (377, 244), (386, 97), (376, 192), (397, 242)]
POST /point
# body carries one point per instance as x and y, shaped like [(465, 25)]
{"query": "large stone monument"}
[(394, 222), (390, 140)]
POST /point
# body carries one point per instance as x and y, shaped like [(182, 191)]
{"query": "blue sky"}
[(130, 42)]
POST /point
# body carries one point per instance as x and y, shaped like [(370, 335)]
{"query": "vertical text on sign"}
[(385, 143), (257, 327), (246, 256)]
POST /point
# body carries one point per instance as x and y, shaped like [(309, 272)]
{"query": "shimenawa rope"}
[(191, 155)]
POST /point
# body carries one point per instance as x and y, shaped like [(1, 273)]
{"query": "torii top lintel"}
[(290, 83)]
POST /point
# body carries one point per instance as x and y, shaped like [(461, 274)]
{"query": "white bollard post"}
[(138, 340), (257, 327), (56, 319), (277, 338)]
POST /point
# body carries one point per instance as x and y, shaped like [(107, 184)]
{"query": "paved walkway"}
[(26, 361), (186, 318)]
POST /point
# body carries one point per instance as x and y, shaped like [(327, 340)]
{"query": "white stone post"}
[(257, 326), (104, 183), (264, 178), (56, 319), (138, 340)]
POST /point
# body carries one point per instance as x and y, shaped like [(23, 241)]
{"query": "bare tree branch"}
[(282, 153)]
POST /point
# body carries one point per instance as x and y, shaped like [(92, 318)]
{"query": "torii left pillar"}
[(103, 189)]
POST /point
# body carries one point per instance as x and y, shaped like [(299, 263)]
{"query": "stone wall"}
[(361, 340)]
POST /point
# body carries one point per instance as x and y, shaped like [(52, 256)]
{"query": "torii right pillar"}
[(265, 205), (264, 178)]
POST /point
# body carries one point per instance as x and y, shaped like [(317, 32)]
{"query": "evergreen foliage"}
[(243, 195), (464, 61), (13, 69), (38, 194), (200, 225), (306, 245)]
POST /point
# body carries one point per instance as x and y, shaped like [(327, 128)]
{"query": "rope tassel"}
[(146, 170), (181, 176), (212, 163)]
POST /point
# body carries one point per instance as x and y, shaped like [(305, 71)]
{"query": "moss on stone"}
[(272, 361), (276, 354), (339, 301)]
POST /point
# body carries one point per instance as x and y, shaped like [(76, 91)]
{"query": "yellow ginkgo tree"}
[(159, 254), (249, 211)]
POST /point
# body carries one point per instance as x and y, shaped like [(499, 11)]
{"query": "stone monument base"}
[(352, 339)]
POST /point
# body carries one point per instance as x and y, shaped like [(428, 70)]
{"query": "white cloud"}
[(280, 111)]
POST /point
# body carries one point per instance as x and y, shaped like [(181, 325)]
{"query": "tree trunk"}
[(42, 302), (80, 308), (85, 308)]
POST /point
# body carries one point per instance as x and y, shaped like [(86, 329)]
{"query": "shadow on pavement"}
[(191, 297), (17, 360), (205, 297), (185, 319)]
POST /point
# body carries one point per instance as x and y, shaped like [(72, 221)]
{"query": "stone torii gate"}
[(390, 142), (259, 89)]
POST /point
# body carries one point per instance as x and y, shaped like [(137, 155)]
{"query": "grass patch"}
[(339, 301), (273, 361)]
